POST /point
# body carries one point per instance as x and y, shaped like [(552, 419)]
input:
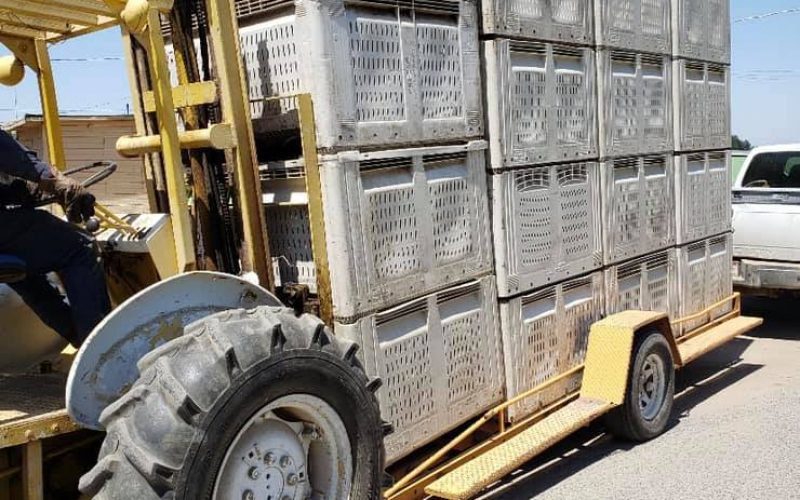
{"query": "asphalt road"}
[(735, 432)]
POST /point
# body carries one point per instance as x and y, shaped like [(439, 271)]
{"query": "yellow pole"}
[(170, 144), (52, 120)]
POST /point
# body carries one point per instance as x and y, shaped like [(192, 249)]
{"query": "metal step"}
[(469, 479), (715, 337)]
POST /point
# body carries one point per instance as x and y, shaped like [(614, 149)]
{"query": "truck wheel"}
[(252, 405), (651, 390)]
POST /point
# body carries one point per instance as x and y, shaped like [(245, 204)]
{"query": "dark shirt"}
[(18, 164)]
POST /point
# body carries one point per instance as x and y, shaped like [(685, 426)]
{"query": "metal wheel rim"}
[(294, 448), (652, 387)]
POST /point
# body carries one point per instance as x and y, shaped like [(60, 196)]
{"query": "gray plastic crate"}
[(702, 100), (381, 74), (635, 92), (398, 224), (546, 225), (439, 358), (545, 333), (636, 25), (703, 194), (648, 283), (704, 277), (638, 206), (702, 30), (542, 103), (552, 20)]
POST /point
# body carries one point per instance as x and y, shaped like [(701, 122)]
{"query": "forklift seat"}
[(12, 269)]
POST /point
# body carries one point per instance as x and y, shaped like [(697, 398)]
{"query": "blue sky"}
[(766, 75)]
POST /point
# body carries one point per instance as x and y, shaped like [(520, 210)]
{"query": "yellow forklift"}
[(205, 382)]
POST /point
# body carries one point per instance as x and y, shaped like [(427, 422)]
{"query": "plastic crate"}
[(542, 103), (398, 224), (702, 30), (703, 194), (704, 277), (648, 283), (439, 358), (636, 25), (635, 92), (381, 73), (638, 206), (546, 225), (702, 100), (545, 334), (554, 20)]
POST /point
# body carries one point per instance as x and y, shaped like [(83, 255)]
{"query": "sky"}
[(765, 84)]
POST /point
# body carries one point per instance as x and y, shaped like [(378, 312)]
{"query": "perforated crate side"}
[(404, 223), (648, 283), (439, 358), (705, 279), (638, 206), (702, 30), (544, 335), (635, 93), (542, 103), (546, 225), (555, 20), (636, 25), (703, 191), (702, 103)]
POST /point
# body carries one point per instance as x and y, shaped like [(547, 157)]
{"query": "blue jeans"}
[(48, 244)]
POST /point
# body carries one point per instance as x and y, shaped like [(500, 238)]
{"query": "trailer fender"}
[(106, 365), (608, 356)]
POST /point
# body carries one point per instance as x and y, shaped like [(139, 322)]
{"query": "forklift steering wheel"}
[(106, 169)]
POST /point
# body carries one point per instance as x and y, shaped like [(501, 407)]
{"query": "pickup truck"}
[(766, 222)]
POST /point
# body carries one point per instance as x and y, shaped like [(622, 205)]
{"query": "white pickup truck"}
[(766, 222)]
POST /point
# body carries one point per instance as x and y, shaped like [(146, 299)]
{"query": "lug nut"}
[(286, 461), (291, 480), (311, 432), (269, 458), (248, 495), (253, 473)]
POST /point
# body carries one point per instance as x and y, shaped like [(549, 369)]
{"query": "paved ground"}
[(734, 434)]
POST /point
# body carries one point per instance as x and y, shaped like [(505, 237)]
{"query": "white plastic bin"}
[(439, 359), (381, 74), (704, 277), (703, 195), (545, 334), (635, 92), (554, 20), (546, 225), (542, 103), (702, 30), (702, 100), (399, 224), (638, 206), (635, 25), (649, 283)]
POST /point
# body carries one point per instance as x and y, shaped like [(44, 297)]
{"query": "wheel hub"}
[(652, 386)]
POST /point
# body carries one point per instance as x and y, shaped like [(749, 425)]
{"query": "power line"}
[(86, 59), (758, 17)]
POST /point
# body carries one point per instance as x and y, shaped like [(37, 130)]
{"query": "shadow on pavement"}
[(780, 315), (694, 384)]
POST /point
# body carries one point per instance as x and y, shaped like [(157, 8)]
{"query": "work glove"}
[(76, 201)]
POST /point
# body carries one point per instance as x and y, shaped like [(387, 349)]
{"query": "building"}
[(88, 139)]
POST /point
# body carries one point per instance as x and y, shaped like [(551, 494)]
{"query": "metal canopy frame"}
[(54, 20)]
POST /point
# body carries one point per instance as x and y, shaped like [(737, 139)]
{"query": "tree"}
[(741, 144)]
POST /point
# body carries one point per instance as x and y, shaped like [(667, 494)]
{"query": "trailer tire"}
[(199, 398), (650, 391)]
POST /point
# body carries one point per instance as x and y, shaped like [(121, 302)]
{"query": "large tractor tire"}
[(251, 405)]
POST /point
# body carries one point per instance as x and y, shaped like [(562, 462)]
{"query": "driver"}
[(49, 244)]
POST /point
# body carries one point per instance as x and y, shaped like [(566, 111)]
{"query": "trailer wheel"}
[(651, 391), (252, 405)]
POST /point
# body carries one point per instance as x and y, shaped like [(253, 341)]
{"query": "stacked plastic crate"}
[(701, 50), (397, 96), (541, 106)]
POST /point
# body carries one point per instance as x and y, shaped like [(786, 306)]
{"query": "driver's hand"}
[(76, 201)]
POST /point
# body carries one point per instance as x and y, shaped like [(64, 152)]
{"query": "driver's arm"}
[(18, 161)]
